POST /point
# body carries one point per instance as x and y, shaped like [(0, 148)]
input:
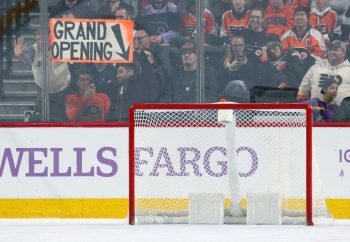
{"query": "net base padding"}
[(290, 217)]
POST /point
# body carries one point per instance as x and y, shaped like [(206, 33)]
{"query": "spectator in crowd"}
[(80, 8), (218, 8), (108, 10), (283, 69), (336, 68), (236, 91), (161, 19), (255, 36), (234, 21), (325, 109), (86, 105), (156, 64), (278, 17), (123, 13), (238, 65), (272, 73), (184, 84), (59, 76), (104, 78), (131, 89), (189, 22), (324, 19), (296, 3), (342, 8), (343, 114), (303, 37)]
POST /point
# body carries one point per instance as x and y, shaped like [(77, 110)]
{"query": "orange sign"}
[(91, 40)]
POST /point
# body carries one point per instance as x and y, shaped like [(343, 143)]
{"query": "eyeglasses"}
[(140, 37), (119, 17), (255, 17)]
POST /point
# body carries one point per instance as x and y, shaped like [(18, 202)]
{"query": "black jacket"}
[(129, 92), (158, 74), (144, 87), (343, 114), (270, 75), (184, 86)]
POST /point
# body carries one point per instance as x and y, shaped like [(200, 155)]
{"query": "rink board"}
[(86, 175)]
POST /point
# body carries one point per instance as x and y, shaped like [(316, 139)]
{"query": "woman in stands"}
[(238, 64)]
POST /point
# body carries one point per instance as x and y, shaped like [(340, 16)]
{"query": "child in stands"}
[(326, 109)]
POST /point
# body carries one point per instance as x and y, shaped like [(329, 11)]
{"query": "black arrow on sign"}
[(118, 35)]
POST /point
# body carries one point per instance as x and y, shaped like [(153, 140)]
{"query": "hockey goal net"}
[(181, 149)]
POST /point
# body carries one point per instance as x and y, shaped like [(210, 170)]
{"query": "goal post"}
[(180, 149)]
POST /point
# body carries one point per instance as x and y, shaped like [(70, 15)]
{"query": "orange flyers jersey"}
[(296, 3), (82, 109), (324, 21), (189, 21), (278, 22), (231, 24), (312, 40)]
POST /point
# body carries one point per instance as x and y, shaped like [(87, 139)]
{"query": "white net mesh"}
[(178, 152)]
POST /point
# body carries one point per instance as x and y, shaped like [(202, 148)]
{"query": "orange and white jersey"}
[(232, 24), (278, 22), (312, 40), (296, 3), (189, 21), (324, 21)]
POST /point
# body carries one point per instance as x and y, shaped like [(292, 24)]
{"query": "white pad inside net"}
[(178, 152)]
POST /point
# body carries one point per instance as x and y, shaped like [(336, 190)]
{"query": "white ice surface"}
[(54, 230)]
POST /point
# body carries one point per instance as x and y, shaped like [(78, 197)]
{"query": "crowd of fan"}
[(299, 44)]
